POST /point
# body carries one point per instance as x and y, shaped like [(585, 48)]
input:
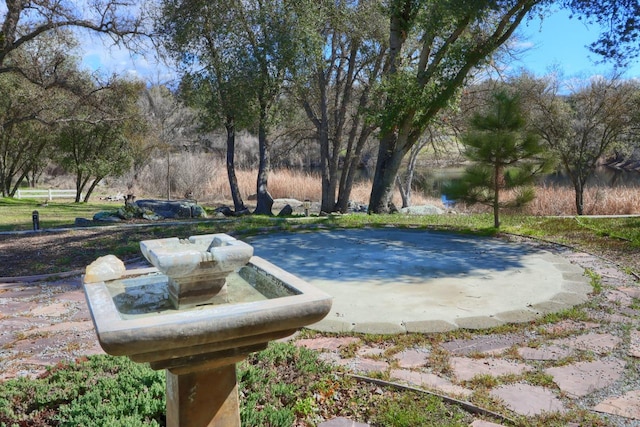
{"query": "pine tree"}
[(505, 156)]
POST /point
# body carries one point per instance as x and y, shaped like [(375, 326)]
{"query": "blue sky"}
[(559, 40), (556, 41)]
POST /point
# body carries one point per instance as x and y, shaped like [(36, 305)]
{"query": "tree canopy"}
[(245, 50), (381, 71), (27, 22), (93, 140), (434, 48), (620, 21)]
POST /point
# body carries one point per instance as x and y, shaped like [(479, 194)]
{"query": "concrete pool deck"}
[(389, 281)]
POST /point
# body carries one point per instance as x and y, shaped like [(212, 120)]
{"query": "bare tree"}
[(336, 91), (584, 125), (171, 127)]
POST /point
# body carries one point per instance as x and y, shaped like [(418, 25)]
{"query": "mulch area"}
[(53, 251)]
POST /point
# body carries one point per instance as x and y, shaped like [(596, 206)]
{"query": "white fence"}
[(49, 194)]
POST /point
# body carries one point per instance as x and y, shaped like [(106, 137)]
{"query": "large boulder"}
[(106, 216), (422, 210), (172, 208)]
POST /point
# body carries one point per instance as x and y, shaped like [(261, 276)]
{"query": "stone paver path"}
[(529, 400), (466, 369), (627, 405), (583, 378)]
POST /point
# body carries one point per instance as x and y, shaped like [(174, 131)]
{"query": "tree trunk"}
[(389, 157), (346, 182), (327, 203), (387, 167), (403, 194), (13, 190), (579, 188), (265, 201), (168, 174), (79, 186), (238, 203), (497, 180), (91, 188), (352, 161), (6, 188), (404, 185)]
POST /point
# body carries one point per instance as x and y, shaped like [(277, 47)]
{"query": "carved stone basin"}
[(134, 315)]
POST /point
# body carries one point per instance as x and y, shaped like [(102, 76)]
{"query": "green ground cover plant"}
[(282, 386), (97, 391)]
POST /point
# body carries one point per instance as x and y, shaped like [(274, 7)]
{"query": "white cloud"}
[(101, 56)]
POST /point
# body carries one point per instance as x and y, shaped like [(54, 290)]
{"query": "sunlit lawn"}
[(16, 214), (618, 233)]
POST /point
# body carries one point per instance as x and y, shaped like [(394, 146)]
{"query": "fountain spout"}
[(197, 267)]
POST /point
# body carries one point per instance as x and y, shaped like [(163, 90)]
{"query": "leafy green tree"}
[(27, 115), (93, 142), (434, 47), (506, 156), (621, 26), (212, 35), (260, 40), (212, 93), (38, 81)]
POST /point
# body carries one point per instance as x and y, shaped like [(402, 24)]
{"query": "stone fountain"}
[(205, 305)]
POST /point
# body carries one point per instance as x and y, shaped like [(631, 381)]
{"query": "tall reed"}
[(553, 200), (550, 200), (292, 184)]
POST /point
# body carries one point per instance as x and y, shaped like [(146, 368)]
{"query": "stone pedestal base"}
[(203, 398)]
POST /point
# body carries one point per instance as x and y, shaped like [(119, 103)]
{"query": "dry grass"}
[(552, 200), (209, 184), (597, 201), (291, 184)]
